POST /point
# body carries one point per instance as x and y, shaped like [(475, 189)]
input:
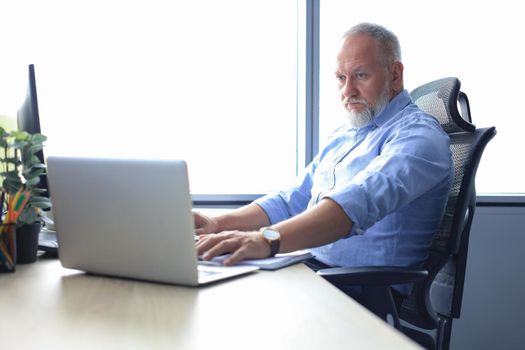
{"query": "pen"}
[(15, 205)]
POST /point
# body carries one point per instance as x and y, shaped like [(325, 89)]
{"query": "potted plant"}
[(21, 173)]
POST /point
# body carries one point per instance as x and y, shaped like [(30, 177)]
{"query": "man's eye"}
[(340, 77), (361, 76)]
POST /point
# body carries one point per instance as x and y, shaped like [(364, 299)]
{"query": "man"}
[(374, 195)]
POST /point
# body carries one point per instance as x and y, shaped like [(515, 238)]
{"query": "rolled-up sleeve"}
[(285, 204), (408, 165)]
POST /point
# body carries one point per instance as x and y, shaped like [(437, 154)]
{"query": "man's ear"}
[(397, 76)]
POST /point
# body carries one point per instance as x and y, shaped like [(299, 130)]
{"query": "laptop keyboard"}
[(48, 241)]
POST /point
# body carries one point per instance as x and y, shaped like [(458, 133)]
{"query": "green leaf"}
[(12, 182), (40, 202), (38, 191), (11, 174), (20, 135), (36, 172), (22, 168), (18, 144), (28, 216), (38, 138), (35, 148), (32, 182), (12, 160)]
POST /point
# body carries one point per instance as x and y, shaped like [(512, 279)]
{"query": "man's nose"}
[(348, 89)]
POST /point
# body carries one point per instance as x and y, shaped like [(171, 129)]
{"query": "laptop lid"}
[(128, 218)]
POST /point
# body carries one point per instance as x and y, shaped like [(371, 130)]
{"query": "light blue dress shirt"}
[(391, 177)]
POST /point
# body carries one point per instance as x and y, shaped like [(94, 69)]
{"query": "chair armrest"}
[(372, 275)]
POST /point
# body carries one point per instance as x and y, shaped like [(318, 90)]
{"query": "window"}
[(212, 82), (447, 39), (222, 83)]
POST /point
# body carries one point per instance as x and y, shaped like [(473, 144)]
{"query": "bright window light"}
[(477, 42), (211, 82)]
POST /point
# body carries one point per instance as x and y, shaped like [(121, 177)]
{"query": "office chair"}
[(437, 292)]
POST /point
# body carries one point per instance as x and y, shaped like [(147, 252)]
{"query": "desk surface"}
[(45, 306)]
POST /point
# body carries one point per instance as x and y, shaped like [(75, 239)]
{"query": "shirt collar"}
[(397, 104)]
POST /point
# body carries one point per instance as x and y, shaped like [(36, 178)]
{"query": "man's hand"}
[(242, 245), (204, 224)]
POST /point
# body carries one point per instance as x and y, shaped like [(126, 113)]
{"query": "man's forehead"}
[(358, 50), (358, 44)]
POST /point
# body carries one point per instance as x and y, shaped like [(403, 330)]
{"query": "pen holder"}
[(7, 248), (27, 242)]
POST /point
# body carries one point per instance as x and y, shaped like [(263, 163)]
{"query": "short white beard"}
[(360, 119)]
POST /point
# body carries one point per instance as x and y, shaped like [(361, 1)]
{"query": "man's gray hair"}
[(386, 39)]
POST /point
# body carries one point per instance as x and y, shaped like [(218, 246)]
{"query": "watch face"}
[(271, 234)]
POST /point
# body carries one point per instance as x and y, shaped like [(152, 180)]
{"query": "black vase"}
[(27, 243)]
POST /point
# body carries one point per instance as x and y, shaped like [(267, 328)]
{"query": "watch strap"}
[(275, 244)]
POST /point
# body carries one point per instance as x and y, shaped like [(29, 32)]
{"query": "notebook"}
[(129, 218)]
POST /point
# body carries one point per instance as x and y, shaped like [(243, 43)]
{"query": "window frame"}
[(308, 119), (307, 107)]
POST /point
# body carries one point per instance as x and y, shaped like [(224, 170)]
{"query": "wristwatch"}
[(273, 238)]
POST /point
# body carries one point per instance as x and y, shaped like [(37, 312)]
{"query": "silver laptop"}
[(128, 218)]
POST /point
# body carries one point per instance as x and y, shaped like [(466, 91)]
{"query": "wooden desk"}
[(44, 306)]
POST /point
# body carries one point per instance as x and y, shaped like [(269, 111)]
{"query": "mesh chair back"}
[(436, 293), (440, 98)]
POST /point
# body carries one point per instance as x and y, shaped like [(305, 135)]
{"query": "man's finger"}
[(238, 255), (221, 247)]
